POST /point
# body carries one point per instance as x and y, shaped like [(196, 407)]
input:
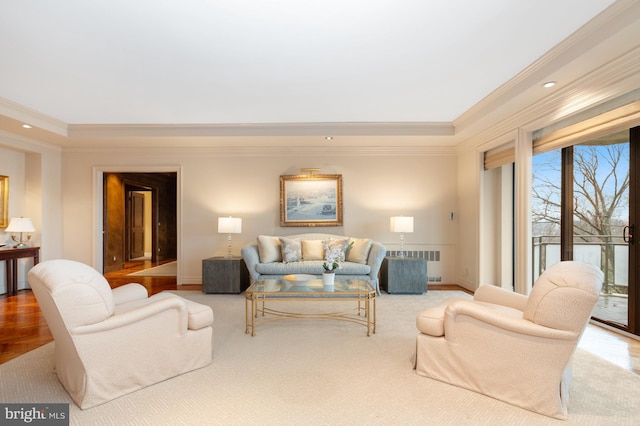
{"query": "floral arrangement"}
[(334, 254)]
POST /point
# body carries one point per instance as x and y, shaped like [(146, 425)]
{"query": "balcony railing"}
[(607, 252)]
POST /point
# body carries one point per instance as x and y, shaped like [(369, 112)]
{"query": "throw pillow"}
[(359, 251), (340, 244), (312, 250), (291, 250), (269, 249)]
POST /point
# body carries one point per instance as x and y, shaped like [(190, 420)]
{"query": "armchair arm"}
[(251, 258), (500, 296), (129, 293), (154, 307), (488, 316)]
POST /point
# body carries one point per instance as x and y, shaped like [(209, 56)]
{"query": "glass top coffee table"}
[(265, 292)]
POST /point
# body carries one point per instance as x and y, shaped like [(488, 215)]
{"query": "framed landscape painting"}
[(311, 200)]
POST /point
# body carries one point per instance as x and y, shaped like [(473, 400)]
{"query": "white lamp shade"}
[(229, 225), (20, 224), (401, 224)]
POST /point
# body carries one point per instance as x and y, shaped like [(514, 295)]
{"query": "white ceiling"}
[(230, 62)]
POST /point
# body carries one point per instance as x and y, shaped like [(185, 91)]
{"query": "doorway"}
[(584, 208), (139, 218)]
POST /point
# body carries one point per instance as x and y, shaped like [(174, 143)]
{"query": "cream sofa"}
[(509, 346), (264, 257), (112, 342)]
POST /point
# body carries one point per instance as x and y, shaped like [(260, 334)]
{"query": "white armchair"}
[(508, 346), (112, 342)]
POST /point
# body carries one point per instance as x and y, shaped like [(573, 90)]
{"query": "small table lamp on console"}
[(20, 225)]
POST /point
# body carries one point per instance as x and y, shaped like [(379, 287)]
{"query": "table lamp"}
[(20, 225), (229, 225), (401, 224)]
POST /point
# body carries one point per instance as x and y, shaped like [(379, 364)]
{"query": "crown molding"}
[(619, 15), (254, 129), (34, 118), (23, 144), (272, 151), (618, 79)]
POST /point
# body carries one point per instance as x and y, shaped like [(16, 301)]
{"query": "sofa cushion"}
[(359, 250), (291, 249), (269, 249), (338, 243), (351, 268), (312, 250), (313, 267)]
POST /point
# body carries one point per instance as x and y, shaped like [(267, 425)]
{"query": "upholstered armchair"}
[(509, 346), (112, 342)]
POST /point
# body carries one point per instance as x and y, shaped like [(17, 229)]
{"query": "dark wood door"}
[(136, 230)]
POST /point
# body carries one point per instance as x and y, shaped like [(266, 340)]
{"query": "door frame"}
[(634, 218), (97, 238)]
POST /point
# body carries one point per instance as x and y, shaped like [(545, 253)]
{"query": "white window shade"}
[(499, 156), (612, 121)]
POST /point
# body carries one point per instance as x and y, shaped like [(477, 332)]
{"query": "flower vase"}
[(328, 278)]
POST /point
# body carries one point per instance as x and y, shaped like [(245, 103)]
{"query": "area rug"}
[(166, 270), (312, 372)]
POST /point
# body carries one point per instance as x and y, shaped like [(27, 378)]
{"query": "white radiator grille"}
[(429, 255)]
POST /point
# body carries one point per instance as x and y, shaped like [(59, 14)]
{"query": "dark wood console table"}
[(10, 256)]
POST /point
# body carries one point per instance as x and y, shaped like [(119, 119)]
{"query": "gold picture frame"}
[(4, 201), (311, 200)]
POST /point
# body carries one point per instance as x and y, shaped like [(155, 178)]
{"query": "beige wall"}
[(12, 164), (213, 183), (34, 191)]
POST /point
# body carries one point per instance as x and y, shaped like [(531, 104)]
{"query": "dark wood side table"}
[(10, 256), (224, 275), (403, 275)]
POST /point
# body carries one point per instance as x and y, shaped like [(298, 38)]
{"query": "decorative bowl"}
[(299, 279)]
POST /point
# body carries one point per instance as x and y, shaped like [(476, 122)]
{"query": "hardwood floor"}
[(152, 284), (22, 327)]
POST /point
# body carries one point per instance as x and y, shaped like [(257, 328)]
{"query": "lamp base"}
[(21, 242), (228, 256), (401, 254)]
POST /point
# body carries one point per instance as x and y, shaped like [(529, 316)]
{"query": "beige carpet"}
[(309, 372), (167, 270)]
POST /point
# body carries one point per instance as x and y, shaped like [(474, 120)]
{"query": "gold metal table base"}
[(364, 313)]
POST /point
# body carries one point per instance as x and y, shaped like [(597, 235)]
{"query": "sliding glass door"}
[(600, 218), (583, 209)]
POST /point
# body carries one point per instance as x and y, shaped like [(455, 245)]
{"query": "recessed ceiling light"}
[(328, 138), (27, 126), (549, 84)]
